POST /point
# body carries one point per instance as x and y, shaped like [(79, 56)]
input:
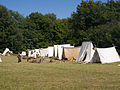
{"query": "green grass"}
[(57, 76)]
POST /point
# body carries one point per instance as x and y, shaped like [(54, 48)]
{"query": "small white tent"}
[(105, 55), (86, 52), (6, 51), (23, 53)]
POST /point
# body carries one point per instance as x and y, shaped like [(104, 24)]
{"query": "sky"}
[(61, 8)]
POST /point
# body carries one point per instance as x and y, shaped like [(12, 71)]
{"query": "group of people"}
[(20, 57)]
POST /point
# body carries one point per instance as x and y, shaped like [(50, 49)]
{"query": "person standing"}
[(19, 57)]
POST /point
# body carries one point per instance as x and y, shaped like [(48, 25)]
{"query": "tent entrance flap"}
[(84, 57), (96, 58), (86, 52)]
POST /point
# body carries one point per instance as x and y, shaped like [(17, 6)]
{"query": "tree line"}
[(94, 21)]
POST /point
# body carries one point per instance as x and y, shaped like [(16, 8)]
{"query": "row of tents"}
[(58, 51), (89, 54), (86, 53)]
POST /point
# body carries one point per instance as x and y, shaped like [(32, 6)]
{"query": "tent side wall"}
[(71, 53), (60, 50), (56, 50), (50, 51), (44, 52)]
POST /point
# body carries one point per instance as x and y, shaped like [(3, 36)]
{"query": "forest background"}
[(94, 21)]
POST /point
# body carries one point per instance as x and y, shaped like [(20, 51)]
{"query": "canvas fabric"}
[(60, 50), (50, 51), (71, 52), (106, 55), (86, 52), (5, 51), (23, 53), (44, 52)]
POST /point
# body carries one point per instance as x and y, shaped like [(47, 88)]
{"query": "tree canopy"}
[(94, 21)]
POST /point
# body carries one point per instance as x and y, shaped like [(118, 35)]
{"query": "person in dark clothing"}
[(19, 57)]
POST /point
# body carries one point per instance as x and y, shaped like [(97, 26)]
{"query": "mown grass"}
[(57, 76)]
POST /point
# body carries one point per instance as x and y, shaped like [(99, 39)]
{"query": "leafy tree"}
[(10, 29)]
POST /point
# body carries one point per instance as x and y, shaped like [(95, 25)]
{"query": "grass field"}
[(57, 76)]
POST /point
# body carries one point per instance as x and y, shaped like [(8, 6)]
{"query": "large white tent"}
[(105, 55), (86, 52)]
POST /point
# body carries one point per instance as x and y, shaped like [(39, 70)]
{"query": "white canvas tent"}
[(23, 53), (57, 49), (60, 50), (105, 55), (6, 51), (50, 51), (44, 52), (86, 52), (31, 53), (37, 51)]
